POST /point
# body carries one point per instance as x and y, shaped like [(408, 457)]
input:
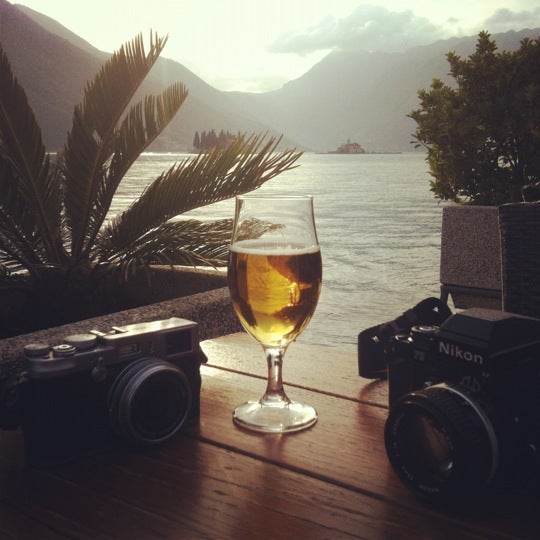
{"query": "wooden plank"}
[(190, 489), (57, 504), (346, 448), (18, 525), (217, 481), (323, 369)]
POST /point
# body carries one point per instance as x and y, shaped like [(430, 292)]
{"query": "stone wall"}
[(212, 310), (471, 255)]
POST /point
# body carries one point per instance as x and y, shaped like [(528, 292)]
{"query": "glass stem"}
[(275, 394)]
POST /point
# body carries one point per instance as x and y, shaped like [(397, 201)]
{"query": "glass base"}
[(282, 417)]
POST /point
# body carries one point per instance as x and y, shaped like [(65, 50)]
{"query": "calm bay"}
[(378, 225)]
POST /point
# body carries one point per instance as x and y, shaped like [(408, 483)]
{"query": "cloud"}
[(370, 28), (504, 19), (375, 28)]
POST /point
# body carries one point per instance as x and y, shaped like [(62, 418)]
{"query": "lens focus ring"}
[(441, 442), (149, 401)]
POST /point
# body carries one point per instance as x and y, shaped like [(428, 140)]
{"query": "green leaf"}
[(30, 226), (93, 137), (140, 127), (185, 242), (208, 178)]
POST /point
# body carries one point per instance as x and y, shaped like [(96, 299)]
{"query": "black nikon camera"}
[(139, 383), (464, 402)]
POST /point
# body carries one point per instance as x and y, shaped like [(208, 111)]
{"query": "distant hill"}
[(53, 65), (360, 96), (51, 69)]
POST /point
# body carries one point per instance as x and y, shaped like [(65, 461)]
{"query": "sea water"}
[(378, 225)]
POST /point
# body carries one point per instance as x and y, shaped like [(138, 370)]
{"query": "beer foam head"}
[(267, 247)]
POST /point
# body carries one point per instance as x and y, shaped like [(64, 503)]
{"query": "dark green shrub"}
[(483, 134)]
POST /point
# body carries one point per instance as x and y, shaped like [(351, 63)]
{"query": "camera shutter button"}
[(63, 350), (74, 342), (82, 341)]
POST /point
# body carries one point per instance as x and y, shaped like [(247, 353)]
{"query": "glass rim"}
[(270, 196)]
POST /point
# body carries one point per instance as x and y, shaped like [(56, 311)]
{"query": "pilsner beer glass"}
[(274, 278)]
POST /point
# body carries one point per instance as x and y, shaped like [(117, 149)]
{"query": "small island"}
[(348, 148), (353, 148)]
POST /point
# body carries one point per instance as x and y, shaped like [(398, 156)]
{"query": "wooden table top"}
[(217, 481)]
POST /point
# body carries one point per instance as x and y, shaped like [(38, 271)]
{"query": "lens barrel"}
[(149, 401), (441, 442)]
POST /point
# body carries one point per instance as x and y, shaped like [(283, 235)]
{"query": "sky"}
[(259, 45)]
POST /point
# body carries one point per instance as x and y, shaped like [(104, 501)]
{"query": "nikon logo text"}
[(450, 349)]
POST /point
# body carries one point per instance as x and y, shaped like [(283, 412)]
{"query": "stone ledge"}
[(212, 310)]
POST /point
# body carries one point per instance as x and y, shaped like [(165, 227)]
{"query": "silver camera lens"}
[(149, 401)]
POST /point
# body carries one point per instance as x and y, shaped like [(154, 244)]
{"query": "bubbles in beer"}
[(274, 288)]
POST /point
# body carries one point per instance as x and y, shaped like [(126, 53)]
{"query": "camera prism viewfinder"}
[(464, 403)]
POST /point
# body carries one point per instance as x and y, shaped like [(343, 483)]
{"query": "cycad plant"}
[(53, 210)]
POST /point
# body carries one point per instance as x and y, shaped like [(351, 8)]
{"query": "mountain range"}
[(362, 96)]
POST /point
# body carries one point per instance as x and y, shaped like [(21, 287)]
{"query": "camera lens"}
[(431, 454), (150, 401), (441, 442)]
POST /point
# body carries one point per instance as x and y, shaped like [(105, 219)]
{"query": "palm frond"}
[(187, 242), (140, 127), (143, 124), (209, 178), (29, 196), (18, 241), (92, 140)]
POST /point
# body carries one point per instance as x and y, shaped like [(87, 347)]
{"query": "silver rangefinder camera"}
[(138, 383)]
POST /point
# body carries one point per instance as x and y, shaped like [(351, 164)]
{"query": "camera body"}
[(464, 403), (139, 383)]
